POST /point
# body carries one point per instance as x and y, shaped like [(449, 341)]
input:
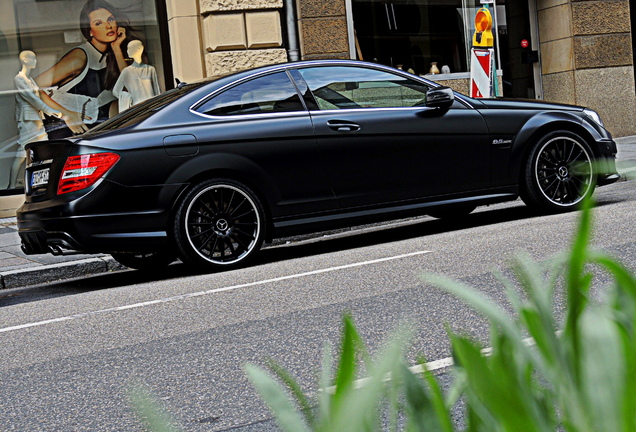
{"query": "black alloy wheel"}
[(219, 224), (559, 172)]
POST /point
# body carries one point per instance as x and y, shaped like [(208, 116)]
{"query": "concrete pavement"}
[(18, 269)]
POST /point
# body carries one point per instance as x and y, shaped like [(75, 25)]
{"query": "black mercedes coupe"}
[(209, 171)]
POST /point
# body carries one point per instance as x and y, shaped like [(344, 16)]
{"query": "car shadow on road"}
[(283, 250)]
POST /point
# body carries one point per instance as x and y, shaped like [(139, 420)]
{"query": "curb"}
[(58, 272)]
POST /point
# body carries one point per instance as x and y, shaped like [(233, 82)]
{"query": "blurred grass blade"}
[(346, 372), (276, 398), (477, 301), (602, 369), (294, 388), (154, 417)]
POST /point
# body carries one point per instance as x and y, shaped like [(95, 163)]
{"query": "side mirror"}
[(440, 97)]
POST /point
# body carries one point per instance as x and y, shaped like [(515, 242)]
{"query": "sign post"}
[(482, 58)]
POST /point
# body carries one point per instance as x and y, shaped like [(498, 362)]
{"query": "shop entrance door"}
[(518, 43), (421, 36)]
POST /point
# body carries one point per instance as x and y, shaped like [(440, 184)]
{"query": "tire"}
[(145, 261), (219, 224), (559, 173)]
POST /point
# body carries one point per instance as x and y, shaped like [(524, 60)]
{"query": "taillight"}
[(83, 171)]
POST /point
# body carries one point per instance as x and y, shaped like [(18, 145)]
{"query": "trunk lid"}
[(44, 164)]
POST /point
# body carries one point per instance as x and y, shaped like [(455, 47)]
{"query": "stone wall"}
[(241, 34), (586, 58), (322, 28)]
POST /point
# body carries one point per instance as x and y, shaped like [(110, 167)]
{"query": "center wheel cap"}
[(222, 225), (563, 172)]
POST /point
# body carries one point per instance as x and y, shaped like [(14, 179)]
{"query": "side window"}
[(343, 87), (266, 94)]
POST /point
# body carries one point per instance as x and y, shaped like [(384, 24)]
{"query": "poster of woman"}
[(81, 48), (81, 81)]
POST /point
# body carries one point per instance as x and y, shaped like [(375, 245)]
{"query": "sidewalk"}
[(18, 269)]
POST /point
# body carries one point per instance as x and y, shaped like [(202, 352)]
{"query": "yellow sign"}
[(483, 29)]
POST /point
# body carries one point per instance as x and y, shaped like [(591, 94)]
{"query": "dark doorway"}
[(517, 61)]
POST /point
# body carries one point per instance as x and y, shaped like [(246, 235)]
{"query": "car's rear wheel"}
[(219, 224), (145, 260), (559, 172)]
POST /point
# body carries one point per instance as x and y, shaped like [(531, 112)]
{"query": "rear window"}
[(144, 110), (266, 94)]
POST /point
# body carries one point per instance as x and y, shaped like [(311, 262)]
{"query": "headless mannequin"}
[(139, 80), (29, 109)]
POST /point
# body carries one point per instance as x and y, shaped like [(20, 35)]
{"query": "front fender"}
[(546, 122)]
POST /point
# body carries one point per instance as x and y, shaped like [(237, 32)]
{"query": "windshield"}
[(144, 110)]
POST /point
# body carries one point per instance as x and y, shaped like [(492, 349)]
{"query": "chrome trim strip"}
[(322, 63)]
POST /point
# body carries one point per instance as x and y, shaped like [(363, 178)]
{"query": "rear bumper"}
[(93, 223), (107, 233)]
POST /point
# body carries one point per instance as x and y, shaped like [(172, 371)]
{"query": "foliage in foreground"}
[(577, 375)]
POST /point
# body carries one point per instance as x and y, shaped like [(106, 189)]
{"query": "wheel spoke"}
[(210, 205), (229, 203), (548, 160), (205, 243), (202, 215), (199, 234), (244, 234)]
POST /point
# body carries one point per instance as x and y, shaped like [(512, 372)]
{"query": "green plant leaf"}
[(346, 372), (276, 398), (603, 370), (300, 398), (154, 417)]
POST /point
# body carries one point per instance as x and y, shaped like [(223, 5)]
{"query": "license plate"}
[(40, 178)]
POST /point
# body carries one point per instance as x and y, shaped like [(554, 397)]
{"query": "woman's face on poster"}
[(103, 25)]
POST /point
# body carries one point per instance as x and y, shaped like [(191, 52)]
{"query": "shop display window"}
[(420, 36), (59, 63)]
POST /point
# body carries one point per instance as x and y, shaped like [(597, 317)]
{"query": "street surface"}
[(71, 351)]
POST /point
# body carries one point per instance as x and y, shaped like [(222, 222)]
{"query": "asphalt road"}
[(71, 351)]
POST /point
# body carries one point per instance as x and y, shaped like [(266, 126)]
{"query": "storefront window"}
[(418, 35), (424, 36), (67, 65)]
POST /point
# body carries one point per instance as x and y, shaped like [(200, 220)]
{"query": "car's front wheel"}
[(219, 224), (559, 172)]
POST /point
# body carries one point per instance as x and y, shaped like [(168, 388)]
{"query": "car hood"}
[(525, 104)]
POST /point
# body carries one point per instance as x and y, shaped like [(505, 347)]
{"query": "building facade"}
[(570, 51)]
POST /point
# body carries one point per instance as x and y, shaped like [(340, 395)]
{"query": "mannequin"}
[(29, 109), (139, 79)]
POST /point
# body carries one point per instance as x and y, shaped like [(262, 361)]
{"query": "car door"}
[(380, 144), (261, 128)]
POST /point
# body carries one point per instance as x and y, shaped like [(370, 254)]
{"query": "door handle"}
[(343, 126)]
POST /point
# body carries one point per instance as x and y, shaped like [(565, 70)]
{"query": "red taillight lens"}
[(83, 171)]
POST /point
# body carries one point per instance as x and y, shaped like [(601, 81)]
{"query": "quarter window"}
[(267, 94), (343, 87)]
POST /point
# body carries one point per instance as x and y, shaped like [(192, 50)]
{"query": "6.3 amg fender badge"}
[(501, 142)]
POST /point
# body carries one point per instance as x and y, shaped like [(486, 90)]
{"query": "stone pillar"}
[(322, 28), (586, 58), (241, 34), (185, 39)]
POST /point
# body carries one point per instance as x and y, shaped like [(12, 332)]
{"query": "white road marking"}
[(208, 292), (431, 366)]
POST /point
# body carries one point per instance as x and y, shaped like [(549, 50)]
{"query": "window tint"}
[(267, 94), (342, 87)]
